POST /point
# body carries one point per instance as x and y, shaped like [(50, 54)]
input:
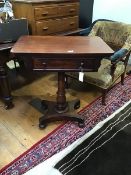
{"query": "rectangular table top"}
[(74, 46)]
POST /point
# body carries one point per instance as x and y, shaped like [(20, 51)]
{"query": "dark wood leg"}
[(59, 110), (122, 78), (104, 92), (68, 81), (5, 88), (129, 72)]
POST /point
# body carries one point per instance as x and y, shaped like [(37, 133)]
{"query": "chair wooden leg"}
[(66, 82), (104, 92), (122, 78), (129, 72)]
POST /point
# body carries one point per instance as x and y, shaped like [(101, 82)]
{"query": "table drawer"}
[(56, 11), (51, 26), (66, 64)]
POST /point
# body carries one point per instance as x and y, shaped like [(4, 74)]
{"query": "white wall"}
[(117, 10)]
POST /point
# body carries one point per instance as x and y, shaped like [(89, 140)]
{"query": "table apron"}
[(40, 64)]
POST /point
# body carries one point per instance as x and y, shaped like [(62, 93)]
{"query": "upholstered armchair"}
[(118, 36)]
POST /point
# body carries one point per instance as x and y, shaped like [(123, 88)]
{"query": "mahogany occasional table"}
[(61, 54)]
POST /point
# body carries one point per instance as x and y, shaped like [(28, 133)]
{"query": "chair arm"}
[(119, 55)]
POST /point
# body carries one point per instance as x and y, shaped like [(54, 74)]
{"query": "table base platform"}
[(51, 114)]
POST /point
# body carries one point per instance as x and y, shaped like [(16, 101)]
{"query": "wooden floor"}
[(19, 126)]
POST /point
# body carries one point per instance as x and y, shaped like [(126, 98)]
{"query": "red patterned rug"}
[(67, 133)]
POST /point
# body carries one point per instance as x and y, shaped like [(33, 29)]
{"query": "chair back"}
[(116, 34)]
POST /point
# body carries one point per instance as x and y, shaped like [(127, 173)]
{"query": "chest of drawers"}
[(48, 17)]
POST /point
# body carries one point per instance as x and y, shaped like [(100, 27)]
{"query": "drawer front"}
[(52, 26), (54, 11), (68, 10), (45, 12), (66, 64)]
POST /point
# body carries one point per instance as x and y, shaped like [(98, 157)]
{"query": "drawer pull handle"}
[(71, 10), (45, 13), (45, 28), (72, 23)]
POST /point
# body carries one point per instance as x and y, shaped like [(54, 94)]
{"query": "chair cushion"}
[(102, 78)]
